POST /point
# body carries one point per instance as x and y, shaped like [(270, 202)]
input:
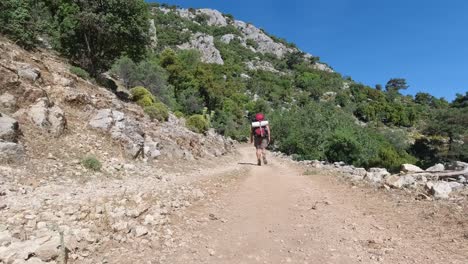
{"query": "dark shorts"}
[(260, 143)]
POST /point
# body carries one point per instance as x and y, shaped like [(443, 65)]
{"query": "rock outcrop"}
[(205, 44)]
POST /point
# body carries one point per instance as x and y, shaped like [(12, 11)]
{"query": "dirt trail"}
[(275, 214)]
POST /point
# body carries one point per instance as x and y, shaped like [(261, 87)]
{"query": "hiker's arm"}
[(269, 133)]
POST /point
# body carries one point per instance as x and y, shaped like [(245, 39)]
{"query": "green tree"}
[(94, 33)]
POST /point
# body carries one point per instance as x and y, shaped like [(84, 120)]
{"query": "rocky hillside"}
[(67, 146), (196, 24)]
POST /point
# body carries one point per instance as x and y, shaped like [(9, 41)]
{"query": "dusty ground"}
[(276, 214)]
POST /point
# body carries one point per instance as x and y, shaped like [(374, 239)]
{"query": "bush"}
[(142, 97), (157, 111), (91, 163), (179, 114), (80, 72), (197, 123), (145, 101)]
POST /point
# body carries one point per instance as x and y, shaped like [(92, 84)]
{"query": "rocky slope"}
[(245, 32), (50, 120)]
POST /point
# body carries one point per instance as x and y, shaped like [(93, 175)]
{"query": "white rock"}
[(456, 186), (29, 72), (410, 168), (441, 190), (436, 168), (376, 175), (215, 18), (205, 44), (9, 128), (10, 151), (53, 118), (49, 250), (7, 102), (399, 182), (140, 231), (462, 179)]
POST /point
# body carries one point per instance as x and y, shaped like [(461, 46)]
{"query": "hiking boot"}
[(259, 162), (265, 161)]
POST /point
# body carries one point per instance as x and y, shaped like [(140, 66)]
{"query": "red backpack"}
[(260, 131)]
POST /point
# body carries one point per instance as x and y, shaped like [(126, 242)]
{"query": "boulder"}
[(456, 186), (228, 38), (9, 129), (29, 72), (436, 168), (458, 165), (376, 175), (7, 102), (205, 44), (51, 119), (399, 182), (215, 18), (265, 43), (441, 190), (49, 250), (410, 168), (462, 179), (10, 151), (126, 131)]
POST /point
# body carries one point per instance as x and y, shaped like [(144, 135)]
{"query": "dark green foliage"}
[(79, 72), (23, 20), (461, 101), (197, 123), (91, 163), (396, 84), (157, 111), (94, 33)]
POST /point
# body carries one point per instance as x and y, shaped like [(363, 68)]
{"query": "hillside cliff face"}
[(248, 35)]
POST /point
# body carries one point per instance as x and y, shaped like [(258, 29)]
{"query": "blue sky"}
[(424, 41)]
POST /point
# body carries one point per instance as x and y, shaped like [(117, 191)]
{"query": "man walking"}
[(260, 135)]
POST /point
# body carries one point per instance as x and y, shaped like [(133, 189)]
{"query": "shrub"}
[(79, 72), (145, 101), (197, 123), (91, 163), (139, 92), (157, 111), (179, 114), (142, 96)]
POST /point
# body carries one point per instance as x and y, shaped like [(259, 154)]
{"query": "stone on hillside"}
[(265, 43), (104, 119), (9, 129), (7, 102), (78, 98), (328, 96), (49, 250), (376, 175), (399, 182), (457, 165), (122, 129), (152, 149), (29, 72), (140, 231), (441, 190), (436, 168), (411, 168), (228, 38), (205, 44), (10, 151), (322, 67), (456, 186), (152, 33), (50, 118), (462, 179), (215, 18)]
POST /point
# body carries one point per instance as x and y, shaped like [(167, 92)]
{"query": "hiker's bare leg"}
[(259, 155), (264, 156)]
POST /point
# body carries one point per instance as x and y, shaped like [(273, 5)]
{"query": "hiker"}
[(260, 136)]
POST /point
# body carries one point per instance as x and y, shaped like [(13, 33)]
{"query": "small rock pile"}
[(411, 177)]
